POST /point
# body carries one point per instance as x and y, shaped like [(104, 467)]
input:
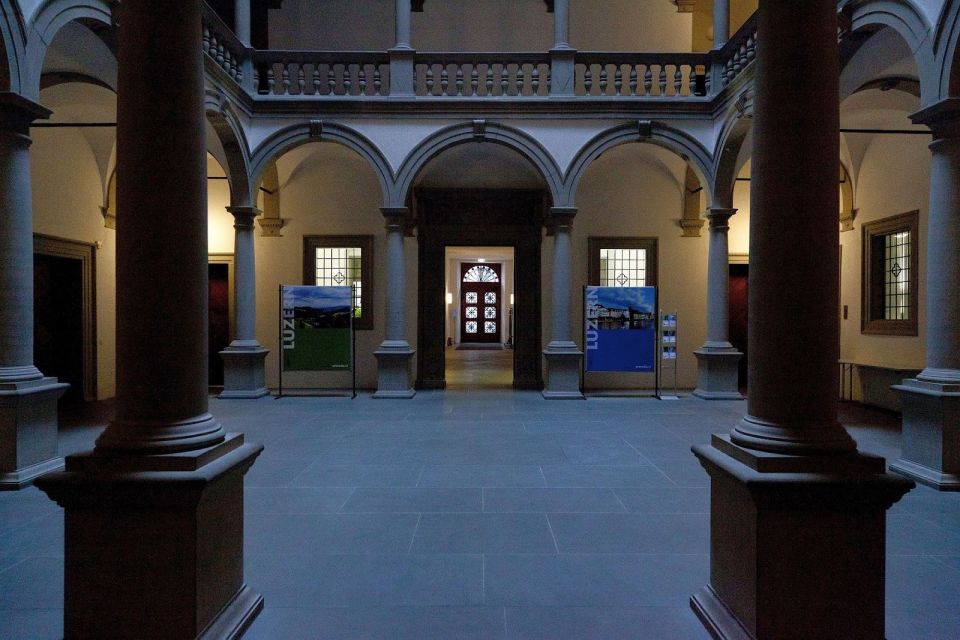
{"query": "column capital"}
[(243, 216), (560, 217), (719, 217), (17, 112), (942, 117), (395, 217)]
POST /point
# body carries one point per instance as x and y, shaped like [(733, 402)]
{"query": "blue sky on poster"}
[(640, 298), (317, 297)]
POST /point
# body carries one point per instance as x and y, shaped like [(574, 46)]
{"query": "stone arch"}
[(728, 153), (478, 131), (316, 131), (49, 18), (908, 21), (947, 44), (12, 50), (656, 133), (224, 122)]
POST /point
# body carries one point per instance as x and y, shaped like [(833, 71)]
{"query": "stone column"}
[(241, 21), (797, 514), (243, 361), (562, 355), (28, 400), (562, 55), (154, 514), (717, 359), (931, 401), (721, 23), (401, 55), (395, 356)]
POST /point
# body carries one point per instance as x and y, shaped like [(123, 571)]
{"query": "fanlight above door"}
[(481, 273)]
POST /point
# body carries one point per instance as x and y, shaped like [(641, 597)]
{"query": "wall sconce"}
[(511, 299), (449, 298)]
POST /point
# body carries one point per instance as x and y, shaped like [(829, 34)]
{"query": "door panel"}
[(480, 289)]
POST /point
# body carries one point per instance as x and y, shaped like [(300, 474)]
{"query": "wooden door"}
[(739, 279), (480, 302)]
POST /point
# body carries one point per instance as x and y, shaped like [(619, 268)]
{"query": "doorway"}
[(739, 290), (475, 219), (220, 300), (481, 296)]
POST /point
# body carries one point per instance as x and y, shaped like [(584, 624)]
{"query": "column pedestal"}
[(796, 544), (28, 431), (717, 373), (563, 372), (930, 438), (394, 377), (154, 545), (244, 374)]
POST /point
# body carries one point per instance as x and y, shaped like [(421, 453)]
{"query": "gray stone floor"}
[(484, 514)]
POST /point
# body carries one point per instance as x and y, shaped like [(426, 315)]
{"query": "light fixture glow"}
[(511, 298), (481, 259), (449, 298)]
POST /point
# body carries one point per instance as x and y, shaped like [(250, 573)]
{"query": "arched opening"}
[(631, 230), (320, 198), (479, 207)]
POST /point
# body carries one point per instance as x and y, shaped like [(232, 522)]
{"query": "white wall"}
[(636, 190), (481, 25), (325, 189)]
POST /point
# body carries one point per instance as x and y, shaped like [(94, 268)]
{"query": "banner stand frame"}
[(353, 357)]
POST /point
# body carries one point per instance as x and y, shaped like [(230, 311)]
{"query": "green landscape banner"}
[(316, 326)]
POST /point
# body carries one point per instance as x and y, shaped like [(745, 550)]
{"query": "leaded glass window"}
[(471, 312), (896, 279), (481, 273), (471, 327), (472, 297), (343, 261), (490, 297), (623, 267), (489, 327), (889, 273), (622, 261), (489, 312)]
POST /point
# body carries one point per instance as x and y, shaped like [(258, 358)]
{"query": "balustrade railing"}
[(220, 43), (739, 52), (364, 74), (321, 74), (478, 75), (664, 75)]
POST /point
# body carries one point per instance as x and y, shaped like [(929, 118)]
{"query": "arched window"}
[(481, 273)]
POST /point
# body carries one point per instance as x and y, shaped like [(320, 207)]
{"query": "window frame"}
[(596, 243), (872, 280), (365, 242)]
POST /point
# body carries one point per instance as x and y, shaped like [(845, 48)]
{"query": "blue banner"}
[(621, 328)]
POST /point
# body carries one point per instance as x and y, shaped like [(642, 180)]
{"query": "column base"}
[(564, 362), (797, 544), (244, 375), (394, 380), (29, 445), (930, 438), (717, 373), (154, 544)]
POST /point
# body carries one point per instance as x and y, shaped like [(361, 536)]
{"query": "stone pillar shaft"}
[(561, 24), (403, 15), (718, 279), (394, 357), (793, 334), (396, 280), (245, 269), (721, 23), (162, 244), (562, 270), (241, 21), (943, 258), (16, 240)]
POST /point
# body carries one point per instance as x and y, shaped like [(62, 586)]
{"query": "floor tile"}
[(611, 476), (551, 501), (292, 534), (483, 533), (631, 533), (454, 476), (413, 500), (294, 499), (590, 623)]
